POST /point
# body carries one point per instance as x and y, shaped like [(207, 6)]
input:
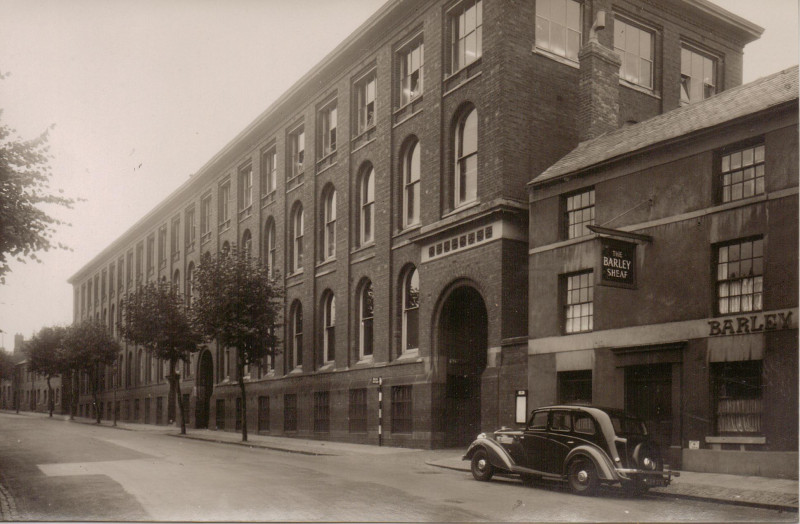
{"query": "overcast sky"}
[(143, 93)]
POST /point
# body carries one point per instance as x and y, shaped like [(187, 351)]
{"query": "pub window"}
[(740, 270), (162, 246), (402, 409), (151, 255), (296, 239), (579, 212), (558, 27), (366, 205), (742, 173), (411, 186), (357, 410), (410, 337), (329, 223), (190, 229), (296, 336), (322, 411), (175, 238), (465, 181), (698, 76), (578, 292), (737, 389), (329, 327), (575, 386), (635, 46)]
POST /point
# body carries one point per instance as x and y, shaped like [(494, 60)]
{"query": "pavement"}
[(762, 492)]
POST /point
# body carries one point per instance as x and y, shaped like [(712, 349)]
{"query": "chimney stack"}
[(598, 87)]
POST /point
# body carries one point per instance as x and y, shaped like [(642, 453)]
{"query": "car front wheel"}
[(582, 476), (481, 468)]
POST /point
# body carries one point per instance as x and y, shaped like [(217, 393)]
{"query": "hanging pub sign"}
[(617, 263)]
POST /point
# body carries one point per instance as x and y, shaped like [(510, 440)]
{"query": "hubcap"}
[(583, 476), (482, 464)]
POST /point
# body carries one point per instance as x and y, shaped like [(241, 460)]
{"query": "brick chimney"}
[(598, 87)]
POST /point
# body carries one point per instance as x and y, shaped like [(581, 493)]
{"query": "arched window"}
[(411, 174), (465, 184), (189, 284), (296, 239), (247, 242), (176, 280), (328, 327), (411, 310), (365, 315), (329, 222), (366, 204), (295, 354), (269, 241)]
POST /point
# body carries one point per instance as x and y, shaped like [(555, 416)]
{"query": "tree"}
[(46, 356), (7, 365), (156, 318), (239, 305), (89, 349), (24, 186)]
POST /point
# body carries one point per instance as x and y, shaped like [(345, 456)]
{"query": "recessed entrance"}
[(205, 386), (463, 335), (648, 395)]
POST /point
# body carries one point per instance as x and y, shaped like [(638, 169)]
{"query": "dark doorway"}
[(205, 386), (648, 395), (463, 335)]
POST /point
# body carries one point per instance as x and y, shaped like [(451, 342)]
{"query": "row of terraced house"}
[(480, 207)]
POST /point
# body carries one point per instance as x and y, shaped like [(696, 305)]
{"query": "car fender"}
[(605, 468), (498, 456)]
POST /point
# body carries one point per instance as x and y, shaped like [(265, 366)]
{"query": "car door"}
[(534, 440), (560, 440)]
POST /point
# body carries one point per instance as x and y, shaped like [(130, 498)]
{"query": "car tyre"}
[(582, 476), (480, 466)]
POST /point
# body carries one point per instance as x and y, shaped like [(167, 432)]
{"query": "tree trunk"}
[(95, 378), (175, 387), (73, 384), (240, 365), (49, 397)]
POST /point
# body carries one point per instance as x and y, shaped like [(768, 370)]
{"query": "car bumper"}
[(651, 478)]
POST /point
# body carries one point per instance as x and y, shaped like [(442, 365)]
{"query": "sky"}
[(143, 93)]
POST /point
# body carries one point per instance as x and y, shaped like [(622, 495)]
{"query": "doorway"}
[(205, 386), (648, 395), (463, 340)]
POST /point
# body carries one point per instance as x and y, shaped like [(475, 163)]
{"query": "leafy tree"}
[(7, 365), (24, 186), (47, 357), (156, 318), (239, 305), (89, 349)]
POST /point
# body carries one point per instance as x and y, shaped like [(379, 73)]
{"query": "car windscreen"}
[(627, 425)]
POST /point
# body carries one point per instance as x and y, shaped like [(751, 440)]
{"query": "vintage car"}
[(583, 445)]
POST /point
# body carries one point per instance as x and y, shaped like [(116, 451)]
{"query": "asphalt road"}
[(59, 470)]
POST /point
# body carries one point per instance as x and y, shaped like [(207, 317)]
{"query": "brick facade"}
[(527, 117)]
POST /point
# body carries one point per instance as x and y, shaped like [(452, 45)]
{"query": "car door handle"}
[(570, 442)]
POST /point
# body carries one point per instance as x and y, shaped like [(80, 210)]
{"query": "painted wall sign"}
[(617, 263), (754, 323)]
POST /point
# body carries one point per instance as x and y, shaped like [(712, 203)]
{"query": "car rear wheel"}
[(481, 467), (582, 476)]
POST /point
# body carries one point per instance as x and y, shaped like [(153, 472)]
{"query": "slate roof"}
[(731, 104)]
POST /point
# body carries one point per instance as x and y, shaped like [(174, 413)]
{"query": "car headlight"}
[(482, 435)]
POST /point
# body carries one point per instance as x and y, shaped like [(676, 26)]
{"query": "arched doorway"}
[(205, 386), (463, 340)]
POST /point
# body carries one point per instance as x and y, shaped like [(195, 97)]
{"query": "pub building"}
[(663, 278)]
